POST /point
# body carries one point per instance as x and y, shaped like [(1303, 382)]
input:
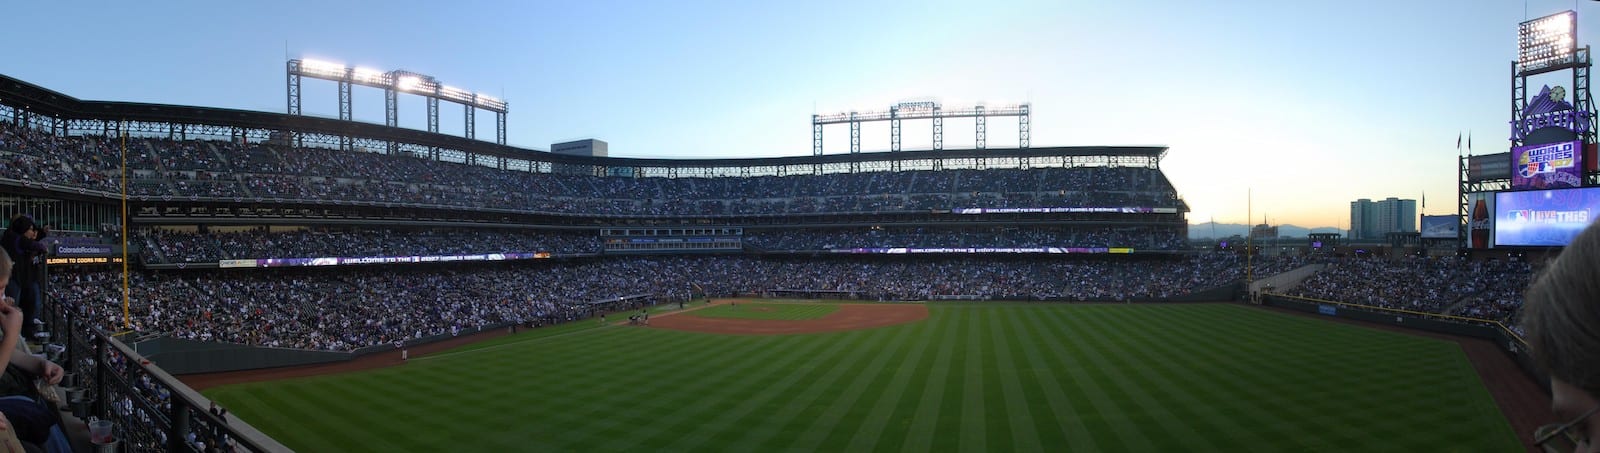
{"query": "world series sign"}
[(1547, 166), (1553, 161)]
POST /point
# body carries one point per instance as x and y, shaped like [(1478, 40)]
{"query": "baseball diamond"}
[(1189, 226)]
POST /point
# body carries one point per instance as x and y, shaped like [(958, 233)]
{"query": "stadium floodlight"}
[(490, 102), (408, 83), (322, 69), (1547, 43), (393, 82)]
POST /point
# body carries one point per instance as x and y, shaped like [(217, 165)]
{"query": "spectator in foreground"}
[(1562, 319), (22, 413)]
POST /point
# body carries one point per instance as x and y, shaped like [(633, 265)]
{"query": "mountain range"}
[(1222, 230)]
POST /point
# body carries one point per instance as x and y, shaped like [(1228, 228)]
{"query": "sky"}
[(1288, 110)]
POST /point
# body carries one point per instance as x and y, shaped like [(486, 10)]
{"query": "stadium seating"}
[(168, 246), (194, 168), (1479, 289), (344, 309), (1141, 238)]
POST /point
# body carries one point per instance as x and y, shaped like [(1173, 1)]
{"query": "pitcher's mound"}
[(849, 317)]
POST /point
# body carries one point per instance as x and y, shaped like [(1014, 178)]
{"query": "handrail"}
[(153, 409), (242, 433), (1499, 324)]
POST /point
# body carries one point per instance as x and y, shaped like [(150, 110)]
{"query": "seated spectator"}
[(26, 413)]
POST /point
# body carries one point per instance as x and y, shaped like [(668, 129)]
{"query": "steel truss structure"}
[(1576, 59), (539, 162), (43, 109), (921, 111), (393, 83)]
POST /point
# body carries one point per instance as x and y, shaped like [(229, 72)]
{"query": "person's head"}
[(1561, 316), (21, 224)]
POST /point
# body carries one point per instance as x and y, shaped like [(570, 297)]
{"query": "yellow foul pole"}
[(126, 323), (1249, 245)]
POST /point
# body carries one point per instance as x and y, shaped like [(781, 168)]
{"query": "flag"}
[(1469, 143), (1424, 200), (1458, 141)]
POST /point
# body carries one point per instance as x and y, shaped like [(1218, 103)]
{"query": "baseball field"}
[(968, 377)]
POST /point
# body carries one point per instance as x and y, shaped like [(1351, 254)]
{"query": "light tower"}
[(921, 111), (393, 83)]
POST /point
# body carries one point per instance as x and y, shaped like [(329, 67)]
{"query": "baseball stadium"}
[(212, 279)]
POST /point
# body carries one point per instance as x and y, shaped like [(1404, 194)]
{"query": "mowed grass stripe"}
[(1102, 417), (840, 417), (1372, 389), (1183, 359), (1063, 430), (925, 420), (635, 402), (805, 407), (1170, 375), (1284, 379), (950, 428), (1046, 377), (311, 423), (789, 371), (970, 360), (1154, 419), (1008, 373), (634, 389), (875, 425), (730, 372), (1334, 395), (403, 430), (271, 416)]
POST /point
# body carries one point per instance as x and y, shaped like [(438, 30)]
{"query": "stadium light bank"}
[(393, 83)]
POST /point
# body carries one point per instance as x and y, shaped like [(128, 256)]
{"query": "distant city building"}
[(1376, 219), (1264, 231)]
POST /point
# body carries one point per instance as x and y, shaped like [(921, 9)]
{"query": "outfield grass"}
[(756, 310), (969, 378)]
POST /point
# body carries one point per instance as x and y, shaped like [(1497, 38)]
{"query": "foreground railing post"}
[(180, 426), (101, 393), (69, 331)]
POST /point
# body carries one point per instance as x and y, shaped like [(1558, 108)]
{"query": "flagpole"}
[(1249, 245)]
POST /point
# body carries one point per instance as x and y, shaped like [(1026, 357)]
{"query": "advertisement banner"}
[(342, 261), (1480, 221), (1440, 227), (1116, 210), (1489, 166), (1543, 218), (1547, 166), (84, 250), (1043, 250)]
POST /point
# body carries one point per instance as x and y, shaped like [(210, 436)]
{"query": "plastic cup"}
[(100, 431)]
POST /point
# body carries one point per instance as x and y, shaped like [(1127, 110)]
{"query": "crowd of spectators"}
[(345, 309), (1501, 297), (1485, 289), (170, 246), (222, 169), (1138, 238)]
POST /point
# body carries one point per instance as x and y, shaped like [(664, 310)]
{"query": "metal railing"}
[(150, 409)]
